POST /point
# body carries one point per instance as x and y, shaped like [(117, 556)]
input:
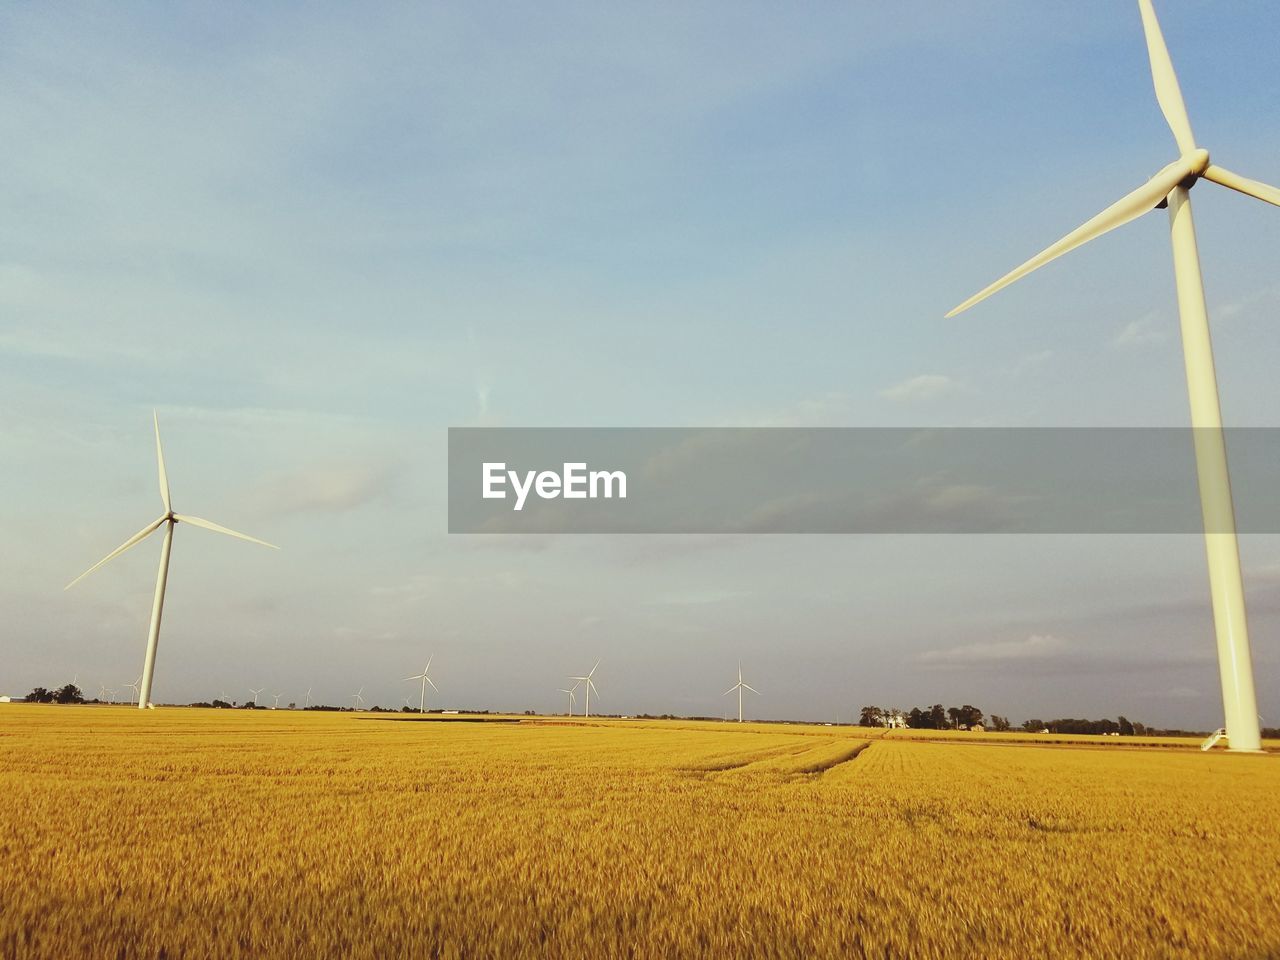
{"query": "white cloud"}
[(1146, 330), (326, 488), (1035, 647), (927, 386)]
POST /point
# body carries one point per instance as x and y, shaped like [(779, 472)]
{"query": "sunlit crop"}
[(285, 834)]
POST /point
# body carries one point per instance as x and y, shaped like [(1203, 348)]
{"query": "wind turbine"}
[(307, 705), (102, 691), (276, 705), (422, 701), (573, 697), (740, 686), (135, 687), (169, 520), (1170, 187), (589, 687), (256, 694), (357, 699)]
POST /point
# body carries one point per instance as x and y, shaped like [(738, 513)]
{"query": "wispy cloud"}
[(1037, 647), (921, 389), (326, 488), (1147, 330)]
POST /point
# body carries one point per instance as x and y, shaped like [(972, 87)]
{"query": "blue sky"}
[(314, 238)]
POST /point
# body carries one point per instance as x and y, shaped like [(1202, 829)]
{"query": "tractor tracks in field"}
[(790, 762)]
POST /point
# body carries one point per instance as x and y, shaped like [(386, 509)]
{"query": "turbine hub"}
[(1197, 162)]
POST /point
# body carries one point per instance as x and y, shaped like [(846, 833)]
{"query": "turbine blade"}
[(751, 688), (592, 672), (164, 477), (1168, 93), (730, 690), (136, 538), (209, 525), (433, 684), (418, 677), (1129, 207), (1234, 181)]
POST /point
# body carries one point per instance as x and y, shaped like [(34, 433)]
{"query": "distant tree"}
[(1126, 728), (999, 723), (222, 705), (938, 717), (954, 714), (871, 717), (970, 715), (40, 695), (917, 719), (1033, 726), (69, 694), (1139, 729)]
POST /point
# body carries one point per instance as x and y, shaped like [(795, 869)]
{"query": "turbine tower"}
[(587, 682), (422, 700), (169, 520), (1170, 187), (573, 698), (740, 686)]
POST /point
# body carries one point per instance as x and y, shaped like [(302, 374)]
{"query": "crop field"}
[(287, 834)]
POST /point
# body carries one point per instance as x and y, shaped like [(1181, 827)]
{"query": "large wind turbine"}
[(422, 700), (357, 699), (740, 686), (1170, 187), (256, 694), (169, 520), (587, 682)]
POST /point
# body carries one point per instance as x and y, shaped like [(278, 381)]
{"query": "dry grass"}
[(276, 834)]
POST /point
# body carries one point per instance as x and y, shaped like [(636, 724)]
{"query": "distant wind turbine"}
[(135, 686), (422, 701), (357, 699), (276, 705), (256, 694), (169, 520), (740, 686), (590, 685), (573, 698), (1170, 188), (308, 703)]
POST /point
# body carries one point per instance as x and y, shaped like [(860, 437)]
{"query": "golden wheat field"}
[(286, 834)]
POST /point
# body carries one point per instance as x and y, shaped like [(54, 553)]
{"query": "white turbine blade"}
[(1129, 207), (418, 677), (1168, 93), (1234, 181), (730, 690), (593, 687), (427, 668), (208, 525), (751, 688), (433, 684), (164, 477), (135, 539)]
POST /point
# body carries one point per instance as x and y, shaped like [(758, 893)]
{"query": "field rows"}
[(190, 833)]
